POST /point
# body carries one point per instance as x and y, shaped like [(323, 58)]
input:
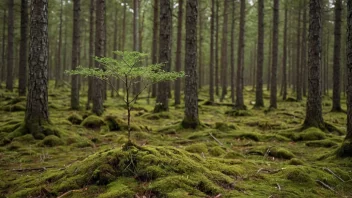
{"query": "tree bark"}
[(3, 65), (91, 52), (212, 64), (232, 53), (298, 55), (178, 63), (137, 84), (273, 87), (200, 41), (10, 35), (217, 50), (304, 51), (99, 51), (58, 75), (314, 109), (75, 54), (284, 58), (269, 60), (162, 100), (37, 114), (240, 60), (224, 53), (155, 45), (336, 105), (260, 56), (191, 119), (22, 80)]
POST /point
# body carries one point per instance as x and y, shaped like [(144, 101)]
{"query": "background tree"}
[(22, 73), (284, 57), (155, 43), (91, 51), (191, 119), (212, 61), (260, 56), (232, 52), (273, 90), (224, 53), (58, 70), (178, 63), (10, 38), (75, 54)]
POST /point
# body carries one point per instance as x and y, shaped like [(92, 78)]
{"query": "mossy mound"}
[(157, 116), (10, 126), (309, 134), (51, 141), (116, 124), (40, 133), (75, 119), (221, 126), (163, 172), (15, 107), (321, 143), (345, 149), (93, 122), (296, 162), (216, 151), (281, 153), (298, 175), (237, 113), (197, 148)]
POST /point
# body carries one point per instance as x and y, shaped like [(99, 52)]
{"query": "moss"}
[(93, 122), (16, 100), (216, 151), (14, 146), (321, 143), (28, 138), (51, 141), (345, 149), (295, 161), (14, 108), (122, 187), (298, 175), (281, 153), (224, 126), (104, 174), (311, 134), (237, 113), (75, 118), (233, 155), (157, 116), (10, 126), (116, 124), (197, 148), (21, 130), (140, 135)]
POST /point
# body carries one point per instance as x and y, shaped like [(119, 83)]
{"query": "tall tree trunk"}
[(75, 54), (155, 47), (284, 57), (232, 53), (115, 82), (212, 64), (273, 86), (3, 65), (10, 35), (217, 49), (58, 75), (260, 56), (298, 55), (22, 80), (37, 114), (224, 53), (240, 60), (137, 85), (191, 119), (269, 60), (178, 63), (91, 52), (98, 84), (336, 105), (304, 51), (200, 41), (162, 102), (314, 109)]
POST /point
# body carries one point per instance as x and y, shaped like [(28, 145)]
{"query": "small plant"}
[(127, 69)]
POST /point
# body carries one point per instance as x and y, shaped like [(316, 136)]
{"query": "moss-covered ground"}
[(252, 153)]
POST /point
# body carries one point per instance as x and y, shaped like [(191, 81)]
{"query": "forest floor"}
[(252, 153)]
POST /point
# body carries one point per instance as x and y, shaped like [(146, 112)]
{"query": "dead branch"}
[(325, 185), (72, 191), (33, 169), (330, 171), (221, 144)]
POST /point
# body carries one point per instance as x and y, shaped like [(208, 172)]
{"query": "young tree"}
[(98, 84), (10, 38), (178, 63), (191, 119), (162, 99), (273, 89), (336, 104), (314, 115), (22, 74), (126, 68), (260, 56), (232, 53), (240, 60), (75, 54), (37, 114), (212, 64), (224, 53), (58, 75), (155, 44)]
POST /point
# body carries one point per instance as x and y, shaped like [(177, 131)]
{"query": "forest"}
[(175, 98)]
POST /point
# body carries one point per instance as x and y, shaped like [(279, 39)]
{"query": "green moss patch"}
[(93, 122), (281, 153), (237, 113), (75, 118), (51, 141), (221, 126), (157, 116), (116, 124), (197, 148), (321, 143)]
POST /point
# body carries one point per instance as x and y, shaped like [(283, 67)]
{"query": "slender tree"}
[(212, 64), (3, 65), (298, 55), (273, 89), (284, 57), (217, 50), (240, 60), (260, 56), (314, 115), (224, 53), (98, 84), (115, 81), (178, 63), (136, 46), (58, 73), (336, 98), (162, 100), (191, 119), (10, 38), (37, 114), (75, 54), (304, 51), (200, 49), (155, 46), (91, 52), (22, 74), (232, 53)]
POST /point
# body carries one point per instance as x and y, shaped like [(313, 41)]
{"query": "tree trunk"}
[(336, 105), (298, 55), (10, 38), (3, 65), (217, 50), (284, 58), (232, 53), (269, 60), (212, 64), (260, 56), (273, 86), (75, 54), (224, 53), (200, 41), (37, 115), (137, 84), (91, 52), (304, 51), (240, 60), (314, 109), (162, 102), (191, 119), (115, 82), (155, 45), (58, 75), (22, 80), (178, 63), (99, 50)]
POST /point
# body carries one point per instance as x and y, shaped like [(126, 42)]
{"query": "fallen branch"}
[(71, 191), (325, 185), (278, 186), (33, 169), (216, 139), (330, 171)]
